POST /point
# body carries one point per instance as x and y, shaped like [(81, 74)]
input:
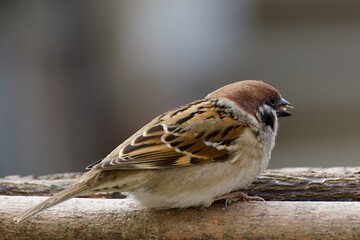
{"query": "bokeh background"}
[(79, 77)]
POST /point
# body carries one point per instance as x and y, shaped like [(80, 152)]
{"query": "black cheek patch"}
[(268, 117)]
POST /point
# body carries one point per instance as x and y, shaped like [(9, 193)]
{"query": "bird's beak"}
[(281, 108)]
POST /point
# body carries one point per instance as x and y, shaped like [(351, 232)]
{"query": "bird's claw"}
[(237, 196)]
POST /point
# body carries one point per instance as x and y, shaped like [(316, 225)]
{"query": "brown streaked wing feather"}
[(197, 133)]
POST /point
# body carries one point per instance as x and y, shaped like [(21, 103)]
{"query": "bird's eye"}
[(273, 100)]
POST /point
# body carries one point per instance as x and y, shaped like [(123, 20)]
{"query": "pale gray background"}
[(78, 77)]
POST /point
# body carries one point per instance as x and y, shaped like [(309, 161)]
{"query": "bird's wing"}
[(196, 133)]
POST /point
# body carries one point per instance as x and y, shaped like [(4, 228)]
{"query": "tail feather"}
[(54, 200)]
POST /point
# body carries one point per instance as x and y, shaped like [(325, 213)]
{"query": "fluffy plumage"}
[(191, 155)]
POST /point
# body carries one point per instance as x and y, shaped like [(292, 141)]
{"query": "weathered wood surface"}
[(300, 184), (85, 218)]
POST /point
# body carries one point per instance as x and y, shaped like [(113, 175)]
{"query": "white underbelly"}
[(197, 185)]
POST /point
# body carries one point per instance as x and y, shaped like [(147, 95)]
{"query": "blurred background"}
[(79, 77)]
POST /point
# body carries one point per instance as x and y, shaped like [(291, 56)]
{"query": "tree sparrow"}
[(191, 155)]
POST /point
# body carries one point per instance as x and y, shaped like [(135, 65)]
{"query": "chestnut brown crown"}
[(251, 94)]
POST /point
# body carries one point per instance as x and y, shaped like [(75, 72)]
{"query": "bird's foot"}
[(237, 196)]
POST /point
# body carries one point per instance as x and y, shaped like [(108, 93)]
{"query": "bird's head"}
[(259, 99)]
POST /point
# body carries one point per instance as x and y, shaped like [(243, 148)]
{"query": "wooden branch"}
[(36, 185), (301, 184), (308, 184), (124, 219)]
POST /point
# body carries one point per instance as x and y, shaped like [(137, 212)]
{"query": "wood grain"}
[(325, 206), (299, 184), (85, 218)]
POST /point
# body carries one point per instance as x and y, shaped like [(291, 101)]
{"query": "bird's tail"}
[(59, 197)]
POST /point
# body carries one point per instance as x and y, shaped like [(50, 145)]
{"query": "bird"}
[(192, 155)]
